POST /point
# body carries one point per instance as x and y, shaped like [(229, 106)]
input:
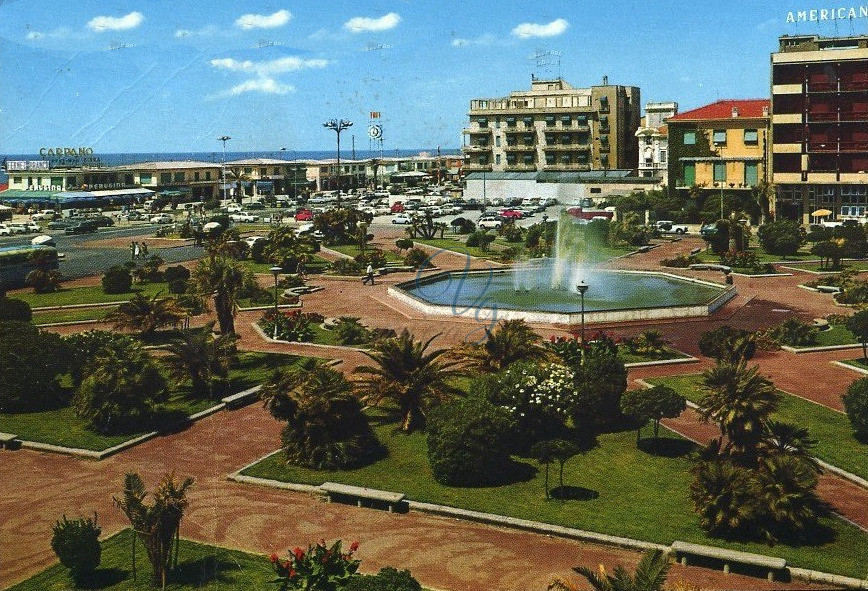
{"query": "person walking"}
[(369, 275), (144, 249), (136, 251), (133, 250)]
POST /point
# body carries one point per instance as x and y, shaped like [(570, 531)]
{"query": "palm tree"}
[(784, 439), (650, 575), (740, 401), (722, 494), (510, 341), (222, 278), (408, 375), (145, 315), (785, 486), (197, 355), (284, 248), (156, 523), (325, 426), (239, 177)]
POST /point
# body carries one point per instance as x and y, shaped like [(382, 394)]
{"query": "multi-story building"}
[(719, 148), (554, 127), (266, 176), (820, 126), (653, 138)]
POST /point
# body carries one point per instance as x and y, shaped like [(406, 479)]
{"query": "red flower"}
[(286, 566), (298, 552), (354, 546), (273, 557), (292, 573)]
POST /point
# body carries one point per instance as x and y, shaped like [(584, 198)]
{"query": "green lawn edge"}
[(622, 491), (63, 428)]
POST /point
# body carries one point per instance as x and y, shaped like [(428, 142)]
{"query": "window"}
[(550, 158), (56, 181), (196, 176), (207, 175), (483, 121), (751, 137), (566, 119), (248, 170), (582, 119), (510, 121), (662, 156), (604, 161), (596, 190), (565, 159), (720, 172), (497, 158), (165, 178), (751, 175), (719, 137), (263, 172), (689, 138), (566, 139), (604, 139), (604, 103), (550, 120), (528, 158), (528, 139), (497, 141), (145, 178), (582, 158), (483, 160), (510, 158), (689, 174), (129, 179), (178, 177), (528, 121)]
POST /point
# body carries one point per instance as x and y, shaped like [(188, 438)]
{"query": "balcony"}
[(571, 147), (520, 167), (570, 167), (520, 148), (823, 86), (476, 149), (476, 167), (838, 146), (476, 131)]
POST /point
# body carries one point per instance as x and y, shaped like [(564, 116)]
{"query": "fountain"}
[(544, 289)]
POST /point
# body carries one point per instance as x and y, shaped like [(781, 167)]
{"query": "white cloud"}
[(552, 29), (59, 33), (101, 24), (261, 85), (361, 24), (207, 31), (264, 21), (268, 68)]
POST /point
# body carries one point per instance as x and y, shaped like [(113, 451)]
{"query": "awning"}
[(821, 213), (136, 192)]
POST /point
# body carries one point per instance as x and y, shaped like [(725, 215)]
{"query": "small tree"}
[(404, 244), (15, 309), (145, 315), (203, 358), (76, 543), (560, 451), (650, 575), (727, 343), (856, 406), (117, 279), (653, 404), (31, 360), (781, 237), (157, 523), (858, 325)]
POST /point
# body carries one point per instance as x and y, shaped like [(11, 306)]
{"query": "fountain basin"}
[(613, 296)]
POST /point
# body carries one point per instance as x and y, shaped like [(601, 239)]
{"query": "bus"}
[(17, 261)]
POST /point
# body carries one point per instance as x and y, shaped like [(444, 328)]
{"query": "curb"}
[(798, 350), (850, 367), (315, 345), (677, 361)]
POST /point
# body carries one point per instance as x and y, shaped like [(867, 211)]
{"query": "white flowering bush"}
[(539, 396)]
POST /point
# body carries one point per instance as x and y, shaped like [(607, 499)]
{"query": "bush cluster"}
[(117, 279), (76, 544)]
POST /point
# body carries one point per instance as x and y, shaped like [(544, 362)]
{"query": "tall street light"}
[(224, 139), (275, 270), (582, 287), (338, 126)]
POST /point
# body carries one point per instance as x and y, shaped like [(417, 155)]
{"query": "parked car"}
[(303, 215), (31, 227), (668, 226), (489, 223), (82, 227), (243, 217), (46, 215), (162, 218), (402, 218), (511, 214), (397, 207), (5, 230), (251, 240), (17, 228), (308, 229), (256, 205)]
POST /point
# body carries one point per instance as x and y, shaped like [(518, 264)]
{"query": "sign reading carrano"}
[(64, 152)]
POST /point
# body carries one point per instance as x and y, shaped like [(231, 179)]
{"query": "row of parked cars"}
[(10, 228)]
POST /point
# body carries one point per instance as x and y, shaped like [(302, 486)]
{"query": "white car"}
[(490, 223), (5, 230), (308, 229), (18, 228), (162, 218), (242, 216), (46, 215), (31, 227), (251, 240), (402, 218)]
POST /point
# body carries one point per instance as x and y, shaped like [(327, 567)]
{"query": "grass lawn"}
[(615, 489), (460, 246), (315, 264), (835, 442), (628, 357), (353, 251), (707, 256), (62, 427), (86, 295), (71, 315), (199, 566), (836, 335), (860, 363)]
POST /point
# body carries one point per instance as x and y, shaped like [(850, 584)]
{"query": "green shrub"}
[(680, 261), (14, 309), (350, 331), (117, 279), (856, 406), (388, 579), (291, 326), (480, 239), (176, 273), (648, 343), (346, 267), (417, 258), (462, 226), (511, 232), (404, 243), (469, 442), (783, 237), (374, 257), (30, 363), (76, 544), (794, 333), (725, 342), (740, 259)]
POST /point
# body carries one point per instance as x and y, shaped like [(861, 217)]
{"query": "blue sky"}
[(152, 75)]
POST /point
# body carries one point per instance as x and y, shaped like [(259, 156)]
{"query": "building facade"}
[(720, 149), (653, 140), (820, 126), (554, 127)]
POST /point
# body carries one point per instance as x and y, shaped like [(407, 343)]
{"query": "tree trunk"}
[(561, 479), (547, 482)]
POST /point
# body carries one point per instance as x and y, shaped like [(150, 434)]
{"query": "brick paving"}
[(442, 553)]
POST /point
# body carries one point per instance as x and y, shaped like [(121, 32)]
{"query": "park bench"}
[(828, 289), (696, 250), (710, 267), (8, 440), (333, 490), (728, 557)]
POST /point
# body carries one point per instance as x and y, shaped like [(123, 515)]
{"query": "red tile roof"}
[(747, 108)]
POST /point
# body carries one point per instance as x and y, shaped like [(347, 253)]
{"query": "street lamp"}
[(275, 270), (582, 287), (338, 126), (224, 139)]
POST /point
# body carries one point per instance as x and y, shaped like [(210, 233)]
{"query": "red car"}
[(303, 215), (511, 214), (397, 207)]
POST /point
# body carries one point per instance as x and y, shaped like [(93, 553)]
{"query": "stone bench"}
[(710, 267), (333, 489), (728, 557), (8, 440), (696, 250), (241, 398), (828, 289)]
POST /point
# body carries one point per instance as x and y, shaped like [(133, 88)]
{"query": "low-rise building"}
[(653, 139)]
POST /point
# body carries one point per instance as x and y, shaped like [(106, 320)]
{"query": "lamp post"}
[(275, 270), (582, 287), (338, 126), (224, 139)]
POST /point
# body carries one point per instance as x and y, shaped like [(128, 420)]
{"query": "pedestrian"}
[(299, 268), (136, 250), (144, 249), (369, 275), (133, 249)]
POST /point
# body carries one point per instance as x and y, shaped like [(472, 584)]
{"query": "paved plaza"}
[(442, 553)]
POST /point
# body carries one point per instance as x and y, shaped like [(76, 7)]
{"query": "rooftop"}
[(727, 109)]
